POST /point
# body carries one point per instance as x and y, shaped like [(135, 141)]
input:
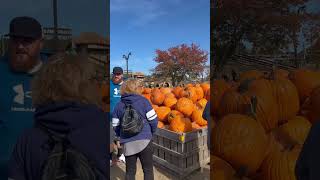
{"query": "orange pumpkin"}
[(173, 114), (185, 106), (147, 96), (205, 87), (195, 126), (162, 113), (146, 91), (280, 164), (237, 136), (311, 106), (197, 117), (281, 74), (165, 90), (170, 102), (189, 92), (287, 99), (180, 125), (171, 95), (201, 104), (160, 124), (199, 92), (251, 74), (176, 91), (305, 81), (297, 129), (157, 97), (155, 106), (218, 89)]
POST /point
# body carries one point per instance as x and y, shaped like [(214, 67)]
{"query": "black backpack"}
[(65, 162), (132, 123)]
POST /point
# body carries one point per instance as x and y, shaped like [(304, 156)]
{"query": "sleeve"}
[(116, 120), (306, 165), (151, 116), (16, 162)]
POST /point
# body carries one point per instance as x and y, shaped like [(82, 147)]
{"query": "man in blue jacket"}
[(17, 67), (115, 97)]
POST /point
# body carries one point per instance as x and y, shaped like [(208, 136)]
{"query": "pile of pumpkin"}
[(261, 123), (179, 109)]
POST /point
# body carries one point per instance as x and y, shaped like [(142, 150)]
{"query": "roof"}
[(91, 38)]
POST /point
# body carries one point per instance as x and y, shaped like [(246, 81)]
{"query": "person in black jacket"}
[(206, 116), (307, 167)]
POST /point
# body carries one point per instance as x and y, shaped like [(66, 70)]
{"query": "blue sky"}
[(142, 26), (80, 15)]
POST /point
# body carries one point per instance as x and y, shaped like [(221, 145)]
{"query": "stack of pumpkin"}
[(179, 109), (262, 122)]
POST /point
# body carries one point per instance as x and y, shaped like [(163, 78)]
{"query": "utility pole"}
[(127, 59), (55, 24)]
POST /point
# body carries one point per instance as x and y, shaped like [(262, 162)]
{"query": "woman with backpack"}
[(135, 121), (69, 139)]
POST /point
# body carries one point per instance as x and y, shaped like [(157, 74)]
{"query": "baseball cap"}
[(26, 27), (117, 70)]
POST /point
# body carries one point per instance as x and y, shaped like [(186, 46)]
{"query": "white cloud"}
[(141, 12)]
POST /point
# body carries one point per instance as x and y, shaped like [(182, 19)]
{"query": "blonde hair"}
[(131, 86), (65, 78)]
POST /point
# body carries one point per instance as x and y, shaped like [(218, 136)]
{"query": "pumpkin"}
[(189, 92), (311, 107), (207, 96), (241, 141), (280, 165), (218, 89), (176, 91), (305, 81), (222, 170), (281, 74), (201, 104), (165, 90), (205, 87), (197, 117), (252, 74), (157, 97), (199, 92), (297, 128), (267, 110), (146, 91), (160, 124), (195, 126), (171, 95), (155, 106), (185, 106), (147, 96), (173, 114), (287, 99), (162, 113), (170, 102), (180, 125), (189, 85)]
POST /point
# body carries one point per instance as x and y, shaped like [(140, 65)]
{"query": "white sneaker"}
[(122, 158)]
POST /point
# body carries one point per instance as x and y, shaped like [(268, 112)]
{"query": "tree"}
[(180, 63)]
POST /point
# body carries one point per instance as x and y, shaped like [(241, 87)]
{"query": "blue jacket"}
[(114, 95), (206, 116), (144, 108), (87, 129), (16, 111)]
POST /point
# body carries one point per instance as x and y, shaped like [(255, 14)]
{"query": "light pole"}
[(126, 57), (55, 24)]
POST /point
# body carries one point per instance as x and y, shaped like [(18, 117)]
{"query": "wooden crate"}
[(181, 153)]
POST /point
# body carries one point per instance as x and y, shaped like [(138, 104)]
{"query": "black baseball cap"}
[(25, 27), (117, 70)]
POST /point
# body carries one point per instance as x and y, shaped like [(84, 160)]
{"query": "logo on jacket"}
[(21, 95), (116, 91)]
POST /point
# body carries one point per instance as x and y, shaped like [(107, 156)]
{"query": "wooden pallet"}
[(181, 153)]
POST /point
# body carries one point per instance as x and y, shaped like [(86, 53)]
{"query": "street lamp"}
[(126, 57)]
